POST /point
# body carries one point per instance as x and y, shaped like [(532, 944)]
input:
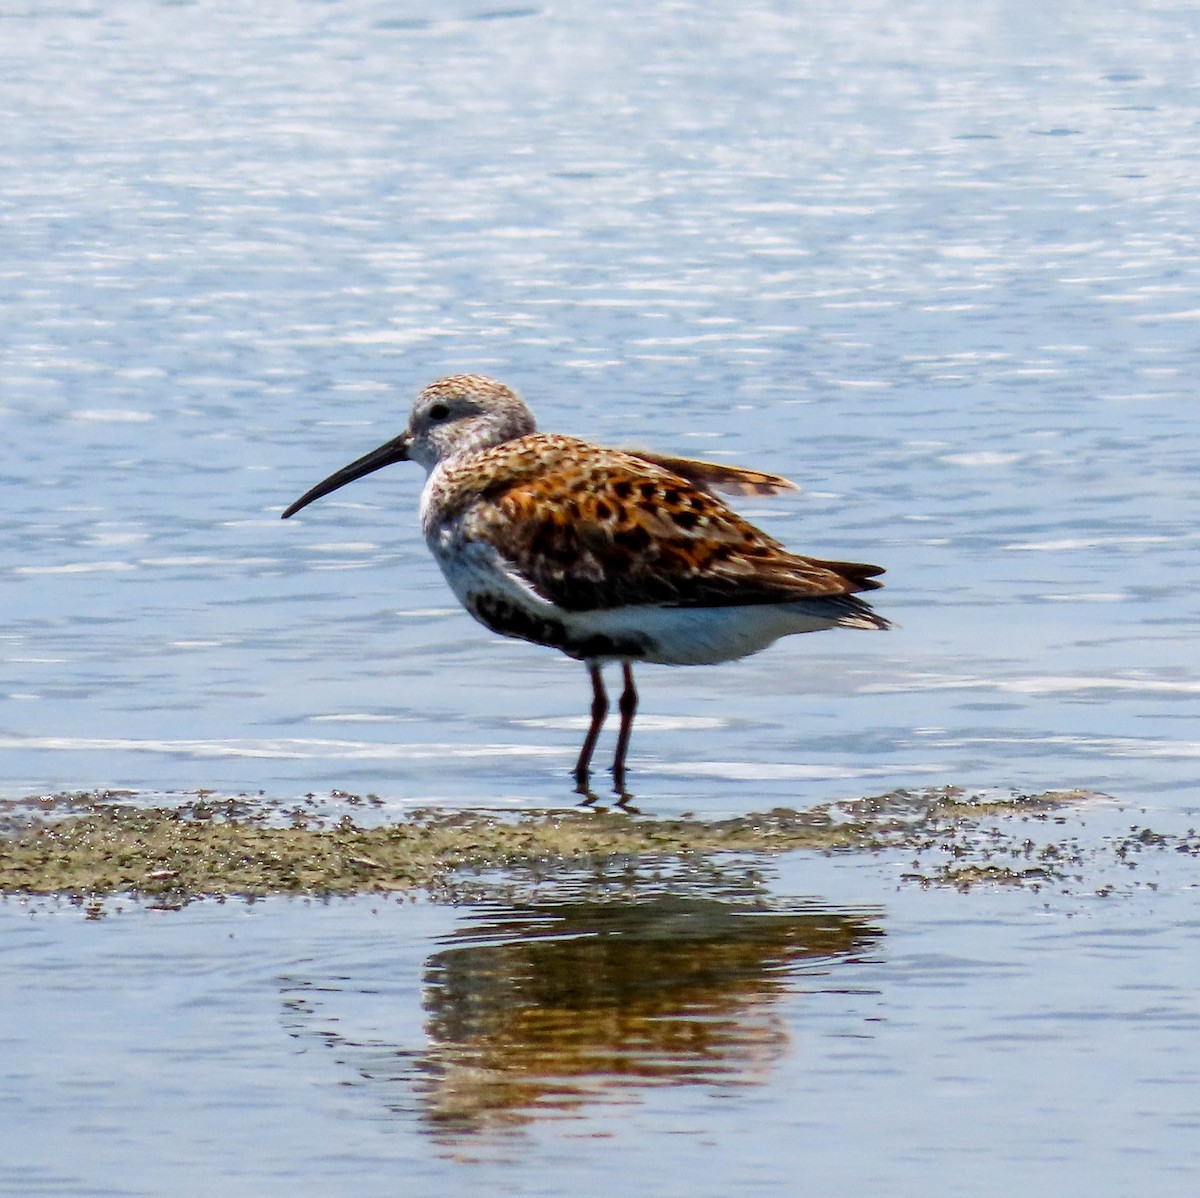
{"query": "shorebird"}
[(609, 555)]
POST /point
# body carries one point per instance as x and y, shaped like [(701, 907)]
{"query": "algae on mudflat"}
[(83, 845)]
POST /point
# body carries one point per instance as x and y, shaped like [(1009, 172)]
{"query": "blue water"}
[(937, 263)]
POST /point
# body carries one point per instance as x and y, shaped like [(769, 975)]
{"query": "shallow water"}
[(939, 265), (699, 1041)]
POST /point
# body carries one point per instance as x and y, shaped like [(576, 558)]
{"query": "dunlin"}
[(609, 555)]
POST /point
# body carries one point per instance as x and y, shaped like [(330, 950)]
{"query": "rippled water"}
[(698, 1042), (936, 263), (940, 268)]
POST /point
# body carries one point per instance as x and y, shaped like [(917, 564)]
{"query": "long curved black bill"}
[(396, 450)]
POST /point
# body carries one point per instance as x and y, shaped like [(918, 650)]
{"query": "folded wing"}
[(714, 476), (603, 529)]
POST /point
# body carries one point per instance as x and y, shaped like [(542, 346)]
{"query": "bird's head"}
[(457, 415), (463, 414)]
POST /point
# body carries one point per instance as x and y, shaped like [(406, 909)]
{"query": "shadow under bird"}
[(609, 555)]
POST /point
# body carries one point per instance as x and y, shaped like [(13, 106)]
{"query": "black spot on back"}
[(636, 539)]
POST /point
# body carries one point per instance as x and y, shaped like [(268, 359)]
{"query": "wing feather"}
[(591, 528), (715, 476)]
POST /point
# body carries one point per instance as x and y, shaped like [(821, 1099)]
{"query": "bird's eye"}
[(439, 411)]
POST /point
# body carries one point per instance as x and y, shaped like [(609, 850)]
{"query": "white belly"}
[(502, 601), (693, 636)]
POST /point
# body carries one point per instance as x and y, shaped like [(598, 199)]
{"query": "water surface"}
[(938, 264)]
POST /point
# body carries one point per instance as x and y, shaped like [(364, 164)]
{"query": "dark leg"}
[(599, 711), (628, 706)]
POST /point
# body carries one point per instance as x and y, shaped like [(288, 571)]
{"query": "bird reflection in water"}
[(536, 1010)]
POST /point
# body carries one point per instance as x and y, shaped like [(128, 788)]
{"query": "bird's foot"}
[(583, 786), (623, 802), (624, 798)]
